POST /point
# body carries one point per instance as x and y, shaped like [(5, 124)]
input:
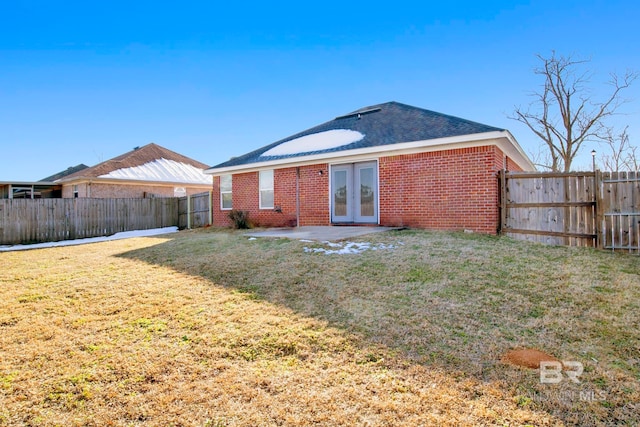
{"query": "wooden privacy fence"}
[(620, 216), (49, 220), (195, 211), (576, 209)]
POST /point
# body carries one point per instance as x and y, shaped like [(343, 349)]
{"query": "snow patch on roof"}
[(162, 170), (316, 142)]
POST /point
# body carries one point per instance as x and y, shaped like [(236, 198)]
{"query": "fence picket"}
[(44, 220), (198, 206), (578, 209)]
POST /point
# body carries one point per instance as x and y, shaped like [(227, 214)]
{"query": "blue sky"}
[(81, 82)]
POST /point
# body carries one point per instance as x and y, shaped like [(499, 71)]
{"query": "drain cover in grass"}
[(528, 357)]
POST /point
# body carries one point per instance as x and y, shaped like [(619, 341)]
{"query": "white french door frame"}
[(348, 175)]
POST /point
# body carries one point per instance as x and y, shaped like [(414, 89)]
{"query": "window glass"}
[(266, 189), (225, 192)]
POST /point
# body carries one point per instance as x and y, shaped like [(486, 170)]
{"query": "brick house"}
[(389, 164), (148, 171), (45, 188)]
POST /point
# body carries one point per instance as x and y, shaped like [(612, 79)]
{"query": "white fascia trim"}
[(133, 182), (37, 183), (516, 153), (502, 139)]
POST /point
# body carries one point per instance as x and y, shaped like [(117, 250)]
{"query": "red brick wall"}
[(220, 217), (314, 198), (512, 166), (314, 195), (444, 190)]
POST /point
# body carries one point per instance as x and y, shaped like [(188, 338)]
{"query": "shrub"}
[(240, 219)]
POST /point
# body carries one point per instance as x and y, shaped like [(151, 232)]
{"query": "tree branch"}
[(563, 114)]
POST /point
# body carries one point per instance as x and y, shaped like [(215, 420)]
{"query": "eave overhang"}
[(502, 139)]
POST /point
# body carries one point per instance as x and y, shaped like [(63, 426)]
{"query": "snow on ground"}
[(162, 170), (117, 236), (349, 248), (316, 142)]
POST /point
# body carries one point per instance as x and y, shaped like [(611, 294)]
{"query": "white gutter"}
[(502, 139), (82, 180)]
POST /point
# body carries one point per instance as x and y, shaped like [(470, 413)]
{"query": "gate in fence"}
[(576, 209), (621, 211), (195, 211)]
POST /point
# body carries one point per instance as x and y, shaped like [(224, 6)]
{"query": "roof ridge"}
[(136, 157), (381, 124)]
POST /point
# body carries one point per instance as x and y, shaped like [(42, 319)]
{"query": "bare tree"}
[(619, 149), (633, 159), (563, 114), (541, 158)]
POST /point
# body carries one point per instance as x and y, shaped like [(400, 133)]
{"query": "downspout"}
[(298, 196)]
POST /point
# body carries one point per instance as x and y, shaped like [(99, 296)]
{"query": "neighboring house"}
[(66, 172), (45, 188), (389, 164), (148, 171), (29, 190)]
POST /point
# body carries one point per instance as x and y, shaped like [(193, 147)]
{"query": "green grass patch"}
[(208, 327)]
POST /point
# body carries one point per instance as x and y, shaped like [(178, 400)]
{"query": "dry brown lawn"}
[(209, 328)]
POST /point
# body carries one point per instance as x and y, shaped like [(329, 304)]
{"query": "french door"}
[(354, 193)]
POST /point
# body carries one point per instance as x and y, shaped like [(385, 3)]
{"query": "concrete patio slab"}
[(319, 233)]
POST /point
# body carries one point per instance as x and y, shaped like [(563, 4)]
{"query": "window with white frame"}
[(266, 189), (225, 192)]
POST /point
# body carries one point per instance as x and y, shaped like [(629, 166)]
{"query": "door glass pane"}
[(340, 193), (366, 192)]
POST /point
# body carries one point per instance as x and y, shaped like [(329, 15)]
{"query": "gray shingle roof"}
[(136, 157), (382, 124), (66, 172)]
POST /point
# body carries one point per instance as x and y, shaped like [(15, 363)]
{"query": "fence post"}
[(210, 207), (502, 176), (188, 212), (566, 220), (599, 208), (73, 214)]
